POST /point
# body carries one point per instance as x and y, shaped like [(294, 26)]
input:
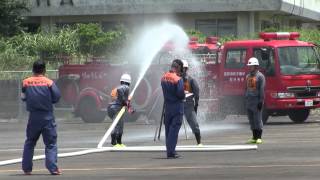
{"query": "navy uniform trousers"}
[(41, 123), (173, 121)]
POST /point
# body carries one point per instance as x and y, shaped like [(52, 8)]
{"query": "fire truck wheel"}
[(89, 112), (265, 116), (299, 116)]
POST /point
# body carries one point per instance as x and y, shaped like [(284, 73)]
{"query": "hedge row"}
[(84, 40)]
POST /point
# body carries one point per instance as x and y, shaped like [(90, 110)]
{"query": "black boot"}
[(198, 138), (259, 134), (255, 134), (113, 139), (119, 139)]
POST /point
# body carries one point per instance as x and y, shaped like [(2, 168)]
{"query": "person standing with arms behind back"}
[(40, 93), (255, 84), (191, 104), (173, 93)]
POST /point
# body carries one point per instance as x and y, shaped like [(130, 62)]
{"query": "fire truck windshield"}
[(298, 60)]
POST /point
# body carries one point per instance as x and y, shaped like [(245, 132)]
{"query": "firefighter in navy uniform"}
[(191, 103), (255, 84), (173, 93), (120, 98), (40, 93)]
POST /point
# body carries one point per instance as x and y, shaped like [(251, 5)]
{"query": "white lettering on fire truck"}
[(227, 74), (235, 76), (93, 75)]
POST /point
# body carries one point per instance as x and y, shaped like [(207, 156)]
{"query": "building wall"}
[(244, 23), (215, 17), (94, 7), (313, 5), (188, 21), (303, 8)]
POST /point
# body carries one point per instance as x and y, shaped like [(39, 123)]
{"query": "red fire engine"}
[(291, 68)]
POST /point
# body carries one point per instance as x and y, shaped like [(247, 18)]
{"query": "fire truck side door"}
[(265, 55), (234, 71)]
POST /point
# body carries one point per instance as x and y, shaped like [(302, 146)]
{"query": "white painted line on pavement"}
[(60, 149), (174, 167)]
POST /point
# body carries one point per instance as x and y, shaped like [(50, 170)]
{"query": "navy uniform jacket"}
[(173, 91), (120, 95), (40, 93)]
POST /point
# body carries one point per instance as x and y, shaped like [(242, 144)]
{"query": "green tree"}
[(308, 35), (10, 16), (195, 33), (202, 37), (95, 42)]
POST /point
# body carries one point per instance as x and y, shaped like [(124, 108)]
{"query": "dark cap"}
[(39, 67), (177, 64)]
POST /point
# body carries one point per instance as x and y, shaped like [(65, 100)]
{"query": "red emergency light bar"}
[(267, 36), (212, 40), (193, 40)]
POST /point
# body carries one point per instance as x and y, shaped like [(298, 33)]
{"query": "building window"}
[(227, 27), (61, 25), (109, 25), (208, 27), (268, 24), (217, 27), (65, 2), (31, 27), (116, 25), (39, 2)]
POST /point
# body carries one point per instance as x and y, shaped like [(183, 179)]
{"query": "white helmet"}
[(125, 78), (185, 63), (253, 62)]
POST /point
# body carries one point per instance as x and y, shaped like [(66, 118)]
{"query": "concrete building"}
[(213, 17)]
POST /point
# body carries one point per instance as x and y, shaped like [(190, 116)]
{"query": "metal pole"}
[(155, 134), (20, 112), (161, 121), (153, 107)]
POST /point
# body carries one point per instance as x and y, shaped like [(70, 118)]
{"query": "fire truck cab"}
[(291, 68)]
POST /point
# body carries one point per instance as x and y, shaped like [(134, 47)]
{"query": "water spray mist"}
[(148, 45)]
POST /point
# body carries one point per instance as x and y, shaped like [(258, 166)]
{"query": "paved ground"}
[(290, 151)]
